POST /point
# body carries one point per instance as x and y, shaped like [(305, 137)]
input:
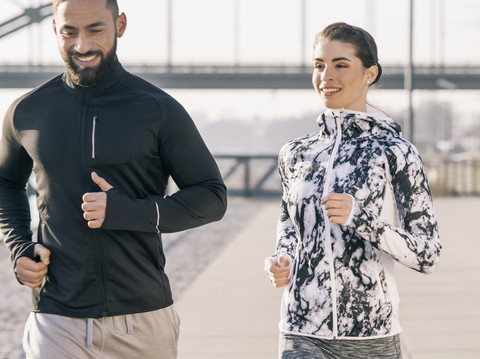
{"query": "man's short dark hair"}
[(111, 5)]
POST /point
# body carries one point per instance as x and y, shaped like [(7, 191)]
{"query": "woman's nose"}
[(326, 74)]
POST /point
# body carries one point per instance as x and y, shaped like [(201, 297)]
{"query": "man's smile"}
[(86, 60)]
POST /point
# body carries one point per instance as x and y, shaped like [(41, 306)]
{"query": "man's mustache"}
[(72, 54)]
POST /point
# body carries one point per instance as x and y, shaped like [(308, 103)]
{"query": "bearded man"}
[(102, 143)]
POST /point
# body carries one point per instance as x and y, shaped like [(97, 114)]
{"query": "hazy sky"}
[(269, 30), (269, 33)]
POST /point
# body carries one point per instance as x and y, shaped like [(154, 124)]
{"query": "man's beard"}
[(90, 76)]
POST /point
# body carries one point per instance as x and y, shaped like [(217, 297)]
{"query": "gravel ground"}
[(187, 253)]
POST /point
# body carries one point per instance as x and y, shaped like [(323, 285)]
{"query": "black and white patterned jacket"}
[(342, 283)]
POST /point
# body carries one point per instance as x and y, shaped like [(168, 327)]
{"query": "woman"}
[(355, 200)]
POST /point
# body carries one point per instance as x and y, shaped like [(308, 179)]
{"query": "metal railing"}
[(250, 175), (454, 177), (257, 175)]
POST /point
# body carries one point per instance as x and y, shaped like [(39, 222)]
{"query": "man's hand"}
[(279, 274), (338, 207), (95, 203), (30, 272)]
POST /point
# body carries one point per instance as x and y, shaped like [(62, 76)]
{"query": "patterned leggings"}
[(302, 347)]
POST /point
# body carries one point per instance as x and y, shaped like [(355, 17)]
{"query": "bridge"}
[(252, 77), (237, 76)]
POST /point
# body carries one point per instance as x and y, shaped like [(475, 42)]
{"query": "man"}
[(102, 143)]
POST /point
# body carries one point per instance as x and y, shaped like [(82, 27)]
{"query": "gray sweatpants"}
[(302, 347), (143, 335)]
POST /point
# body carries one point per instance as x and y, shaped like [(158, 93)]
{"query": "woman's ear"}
[(54, 26), (371, 74)]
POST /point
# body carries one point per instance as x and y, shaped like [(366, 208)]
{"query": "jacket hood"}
[(355, 123)]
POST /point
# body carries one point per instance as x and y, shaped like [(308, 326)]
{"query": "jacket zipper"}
[(326, 190), (100, 256), (96, 240), (95, 118)]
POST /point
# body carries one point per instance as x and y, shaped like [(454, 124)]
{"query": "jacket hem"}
[(109, 314)]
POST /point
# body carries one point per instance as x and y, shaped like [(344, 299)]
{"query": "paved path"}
[(230, 311), (440, 313)]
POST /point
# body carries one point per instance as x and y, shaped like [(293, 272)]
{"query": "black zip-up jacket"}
[(132, 134)]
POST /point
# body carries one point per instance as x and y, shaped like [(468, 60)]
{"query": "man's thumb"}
[(101, 182), (284, 260), (42, 252)]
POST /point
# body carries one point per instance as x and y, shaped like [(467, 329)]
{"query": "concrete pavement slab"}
[(231, 311)]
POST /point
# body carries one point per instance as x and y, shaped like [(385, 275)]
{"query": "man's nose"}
[(83, 44)]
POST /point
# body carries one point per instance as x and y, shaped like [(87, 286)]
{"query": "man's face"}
[(87, 38)]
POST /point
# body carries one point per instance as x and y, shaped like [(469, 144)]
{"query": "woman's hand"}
[(278, 273), (338, 207)]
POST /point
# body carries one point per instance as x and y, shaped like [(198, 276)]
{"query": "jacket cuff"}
[(277, 255), (26, 251), (124, 213), (352, 211), (354, 219)]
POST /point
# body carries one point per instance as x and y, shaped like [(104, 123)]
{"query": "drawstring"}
[(90, 333), (128, 321)]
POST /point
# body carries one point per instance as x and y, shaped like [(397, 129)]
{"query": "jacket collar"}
[(355, 123), (116, 74)]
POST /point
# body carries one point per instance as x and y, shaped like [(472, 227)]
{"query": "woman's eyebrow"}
[(336, 59), (341, 59)]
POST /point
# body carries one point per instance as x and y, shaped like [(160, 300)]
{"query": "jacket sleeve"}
[(286, 235), (15, 169), (415, 242), (202, 195)]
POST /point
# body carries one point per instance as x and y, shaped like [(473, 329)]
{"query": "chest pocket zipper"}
[(95, 118)]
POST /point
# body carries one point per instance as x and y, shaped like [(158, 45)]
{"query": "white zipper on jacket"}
[(95, 117), (326, 190)]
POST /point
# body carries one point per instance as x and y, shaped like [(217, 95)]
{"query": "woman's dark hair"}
[(361, 40)]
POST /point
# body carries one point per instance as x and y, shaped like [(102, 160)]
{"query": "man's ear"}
[(121, 24)]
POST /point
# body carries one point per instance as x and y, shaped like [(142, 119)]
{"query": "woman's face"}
[(339, 76)]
